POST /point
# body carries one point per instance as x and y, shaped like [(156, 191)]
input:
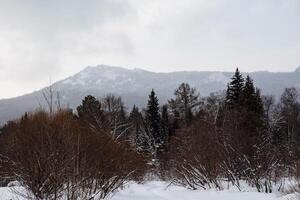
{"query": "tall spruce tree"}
[(251, 102), (248, 93), (245, 117), (234, 90), (153, 120), (142, 141), (251, 98)]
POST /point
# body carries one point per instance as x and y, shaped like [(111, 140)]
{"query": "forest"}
[(234, 136)]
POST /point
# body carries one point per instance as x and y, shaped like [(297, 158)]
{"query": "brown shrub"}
[(194, 156), (56, 155)]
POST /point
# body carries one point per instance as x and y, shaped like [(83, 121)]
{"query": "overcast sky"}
[(43, 40)]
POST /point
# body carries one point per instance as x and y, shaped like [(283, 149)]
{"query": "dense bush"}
[(57, 156), (199, 163)]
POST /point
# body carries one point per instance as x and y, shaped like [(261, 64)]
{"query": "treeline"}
[(239, 136), (195, 142)]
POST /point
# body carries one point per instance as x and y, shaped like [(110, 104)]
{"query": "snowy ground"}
[(156, 190), (161, 191)]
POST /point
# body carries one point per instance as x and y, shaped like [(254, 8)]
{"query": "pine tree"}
[(248, 93), (153, 120), (252, 103), (90, 111), (251, 98), (140, 138), (234, 90)]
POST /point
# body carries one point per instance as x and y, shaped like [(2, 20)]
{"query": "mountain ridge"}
[(134, 85)]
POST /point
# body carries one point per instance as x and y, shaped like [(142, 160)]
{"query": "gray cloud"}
[(56, 38)]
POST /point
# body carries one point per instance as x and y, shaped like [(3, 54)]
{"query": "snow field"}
[(158, 190)]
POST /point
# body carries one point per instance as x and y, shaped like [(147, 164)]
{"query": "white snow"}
[(161, 191), (158, 190), (218, 77), (75, 82), (11, 193)]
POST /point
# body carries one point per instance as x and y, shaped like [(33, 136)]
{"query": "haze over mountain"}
[(135, 85)]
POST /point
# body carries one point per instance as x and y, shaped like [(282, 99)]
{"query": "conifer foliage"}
[(91, 112), (153, 120), (140, 136), (234, 89)]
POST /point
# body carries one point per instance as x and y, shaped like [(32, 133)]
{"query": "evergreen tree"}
[(134, 113), (245, 115), (153, 120), (91, 112), (89, 108), (251, 100), (141, 139), (251, 103), (234, 90), (248, 93)]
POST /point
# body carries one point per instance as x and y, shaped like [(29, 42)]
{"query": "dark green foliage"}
[(251, 97), (90, 111), (89, 108), (142, 140), (242, 95), (234, 90), (245, 127), (251, 102), (153, 120)]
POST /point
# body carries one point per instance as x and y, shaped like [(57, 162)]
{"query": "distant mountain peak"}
[(102, 67), (135, 84), (297, 69)]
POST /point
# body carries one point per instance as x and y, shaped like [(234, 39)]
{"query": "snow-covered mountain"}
[(135, 85)]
